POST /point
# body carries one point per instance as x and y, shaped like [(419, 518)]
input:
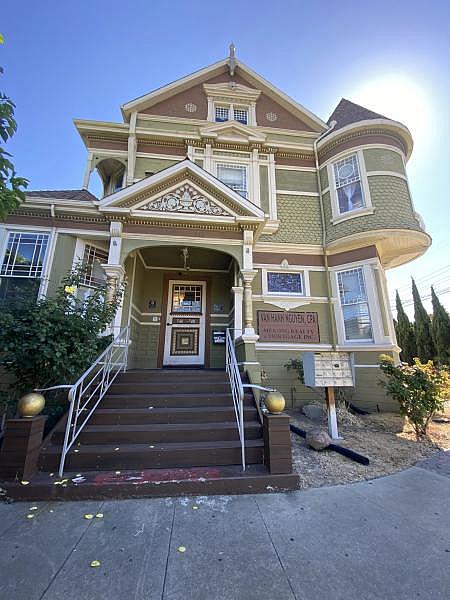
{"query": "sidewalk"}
[(384, 539)]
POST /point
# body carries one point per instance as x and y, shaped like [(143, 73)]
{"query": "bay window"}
[(354, 305), (23, 265)]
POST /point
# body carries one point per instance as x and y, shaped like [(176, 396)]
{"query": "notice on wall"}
[(293, 327)]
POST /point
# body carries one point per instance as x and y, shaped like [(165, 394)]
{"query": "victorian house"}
[(227, 204)]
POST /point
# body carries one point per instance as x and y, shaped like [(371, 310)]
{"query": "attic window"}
[(230, 113)]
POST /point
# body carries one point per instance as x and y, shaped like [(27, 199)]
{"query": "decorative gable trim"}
[(232, 131), (185, 199), (231, 92), (210, 197)]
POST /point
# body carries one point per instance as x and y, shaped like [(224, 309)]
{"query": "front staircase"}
[(163, 432)]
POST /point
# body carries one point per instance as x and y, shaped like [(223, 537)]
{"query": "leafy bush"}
[(420, 389), (54, 340)]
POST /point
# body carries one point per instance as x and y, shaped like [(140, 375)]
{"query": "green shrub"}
[(420, 389), (54, 340)]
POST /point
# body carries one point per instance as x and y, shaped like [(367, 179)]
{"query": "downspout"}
[(324, 240)]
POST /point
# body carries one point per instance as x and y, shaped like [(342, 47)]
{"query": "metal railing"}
[(237, 390), (86, 393)]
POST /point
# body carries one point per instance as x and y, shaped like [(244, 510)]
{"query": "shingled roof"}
[(347, 112), (63, 195)]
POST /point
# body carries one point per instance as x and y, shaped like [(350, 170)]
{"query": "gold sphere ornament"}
[(275, 402), (30, 405)]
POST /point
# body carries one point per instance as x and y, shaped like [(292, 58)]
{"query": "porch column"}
[(238, 292), (249, 331), (115, 272)]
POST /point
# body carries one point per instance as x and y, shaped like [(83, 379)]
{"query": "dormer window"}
[(231, 112)]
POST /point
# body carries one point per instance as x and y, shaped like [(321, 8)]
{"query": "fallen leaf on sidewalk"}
[(88, 516), (181, 549), (33, 508), (99, 515), (24, 482), (30, 516), (95, 563)]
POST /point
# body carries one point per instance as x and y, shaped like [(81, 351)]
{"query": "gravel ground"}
[(385, 438)]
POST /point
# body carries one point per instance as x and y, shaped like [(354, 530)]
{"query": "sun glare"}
[(398, 98)]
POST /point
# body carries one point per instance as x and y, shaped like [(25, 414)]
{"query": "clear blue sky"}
[(83, 59)]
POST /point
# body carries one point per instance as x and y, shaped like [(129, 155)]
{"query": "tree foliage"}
[(11, 186), (405, 333), (53, 341), (420, 389), (422, 328), (440, 328)]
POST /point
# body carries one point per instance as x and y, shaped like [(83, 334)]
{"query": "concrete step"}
[(170, 386), (205, 400)]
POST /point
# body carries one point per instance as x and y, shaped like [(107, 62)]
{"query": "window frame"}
[(378, 337), (359, 302), (5, 235), (91, 284), (304, 275), (367, 209), (235, 165), (231, 107)]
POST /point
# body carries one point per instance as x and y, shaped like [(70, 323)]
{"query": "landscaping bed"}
[(385, 438)]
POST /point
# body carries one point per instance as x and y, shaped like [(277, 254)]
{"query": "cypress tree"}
[(440, 329), (405, 333), (422, 328)]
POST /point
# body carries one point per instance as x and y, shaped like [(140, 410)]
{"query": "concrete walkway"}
[(385, 539)]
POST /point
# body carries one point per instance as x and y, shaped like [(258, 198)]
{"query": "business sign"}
[(293, 327), (218, 336)]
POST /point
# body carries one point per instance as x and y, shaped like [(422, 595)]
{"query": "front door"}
[(184, 342)]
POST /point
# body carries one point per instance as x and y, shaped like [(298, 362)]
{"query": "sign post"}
[(331, 413)]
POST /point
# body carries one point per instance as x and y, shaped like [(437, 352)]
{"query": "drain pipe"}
[(324, 239)]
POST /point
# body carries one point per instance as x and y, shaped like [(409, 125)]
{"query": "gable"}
[(186, 98), (180, 191)]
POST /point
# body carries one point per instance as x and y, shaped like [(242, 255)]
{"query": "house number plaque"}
[(293, 327)]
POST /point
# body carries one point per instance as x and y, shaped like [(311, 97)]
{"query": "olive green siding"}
[(324, 178), (273, 138), (296, 181), (62, 260), (367, 394), (392, 209), (151, 165), (264, 188), (300, 221), (318, 283), (199, 162), (144, 345), (381, 159), (167, 126)]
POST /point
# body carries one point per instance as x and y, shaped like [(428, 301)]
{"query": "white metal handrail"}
[(86, 393), (237, 390)]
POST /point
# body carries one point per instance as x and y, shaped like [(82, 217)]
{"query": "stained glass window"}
[(285, 283)]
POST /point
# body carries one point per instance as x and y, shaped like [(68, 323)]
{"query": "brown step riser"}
[(140, 437), (149, 377), (169, 401), (130, 418), (170, 387), (153, 460)]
